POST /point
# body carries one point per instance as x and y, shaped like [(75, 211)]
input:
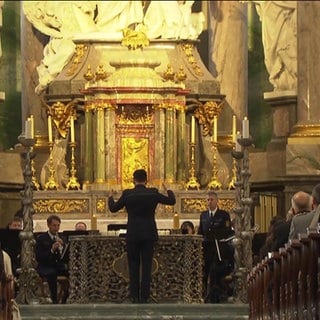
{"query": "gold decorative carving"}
[(181, 75), (135, 115), (79, 53), (205, 114), (134, 39), (61, 115), (89, 74), (101, 205), (134, 155), (169, 73), (188, 50), (101, 73), (200, 204), (61, 206)]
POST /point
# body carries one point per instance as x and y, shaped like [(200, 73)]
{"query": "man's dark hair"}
[(140, 175), (53, 217)]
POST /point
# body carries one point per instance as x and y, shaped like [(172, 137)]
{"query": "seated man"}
[(80, 226), (51, 256)]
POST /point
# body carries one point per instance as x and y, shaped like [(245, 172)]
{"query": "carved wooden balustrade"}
[(98, 269), (286, 284)]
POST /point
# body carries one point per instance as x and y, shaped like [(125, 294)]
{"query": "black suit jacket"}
[(217, 227), (45, 258), (140, 203)]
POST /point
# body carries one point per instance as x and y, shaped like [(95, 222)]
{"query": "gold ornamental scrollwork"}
[(76, 60), (61, 115), (188, 50), (200, 204), (134, 39), (101, 205), (205, 114), (61, 206), (135, 115)]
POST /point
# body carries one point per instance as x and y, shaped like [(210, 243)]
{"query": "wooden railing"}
[(286, 284)]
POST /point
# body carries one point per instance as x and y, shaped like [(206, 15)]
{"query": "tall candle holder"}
[(51, 184), (240, 290), (214, 184), (35, 182), (29, 279), (232, 183), (246, 232), (192, 184), (73, 183)]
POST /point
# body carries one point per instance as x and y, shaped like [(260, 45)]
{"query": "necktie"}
[(211, 214)]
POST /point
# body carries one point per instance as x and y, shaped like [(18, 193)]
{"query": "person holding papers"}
[(215, 227)]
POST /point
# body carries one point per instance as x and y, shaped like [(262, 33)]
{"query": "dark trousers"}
[(140, 253), (213, 274), (51, 274)]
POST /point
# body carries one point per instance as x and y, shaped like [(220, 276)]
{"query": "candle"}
[(238, 145), (176, 222), (94, 223), (215, 129), (50, 128), (72, 128), (28, 129), (245, 128), (193, 130), (234, 128)]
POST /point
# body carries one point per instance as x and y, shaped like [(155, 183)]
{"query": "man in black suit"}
[(51, 255), (215, 227), (140, 203)]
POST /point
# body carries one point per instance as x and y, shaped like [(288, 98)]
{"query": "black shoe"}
[(134, 300)]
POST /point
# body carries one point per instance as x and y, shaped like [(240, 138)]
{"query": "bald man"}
[(302, 203)]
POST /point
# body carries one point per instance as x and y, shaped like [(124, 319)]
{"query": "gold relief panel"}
[(61, 206), (197, 205), (132, 114), (134, 155), (101, 205)]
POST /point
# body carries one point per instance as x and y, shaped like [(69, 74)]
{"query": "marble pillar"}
[(229, 59), (88, 150), (170, 145), (303, 151)]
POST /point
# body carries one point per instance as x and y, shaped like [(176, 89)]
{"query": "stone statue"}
[(279, 37), (172, 20), (61, 21), (65, 21)]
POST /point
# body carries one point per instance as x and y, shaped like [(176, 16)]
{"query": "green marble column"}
[(159, 133), (100, 147), (170, 145), (111, 161), (181, 145), (88, 156)]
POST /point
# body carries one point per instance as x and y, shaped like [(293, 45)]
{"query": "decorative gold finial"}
[(181, 75), (169, 73), (89, 74), (101, 73)]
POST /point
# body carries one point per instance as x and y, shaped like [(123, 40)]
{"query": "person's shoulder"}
[(223, 212), (302, 215)]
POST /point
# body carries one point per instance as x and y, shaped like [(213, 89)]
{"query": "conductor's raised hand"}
[(164, 187)]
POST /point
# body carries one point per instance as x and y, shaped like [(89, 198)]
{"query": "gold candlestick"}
[(73, 183), (214, 184), (51, 184), (192, 184)]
